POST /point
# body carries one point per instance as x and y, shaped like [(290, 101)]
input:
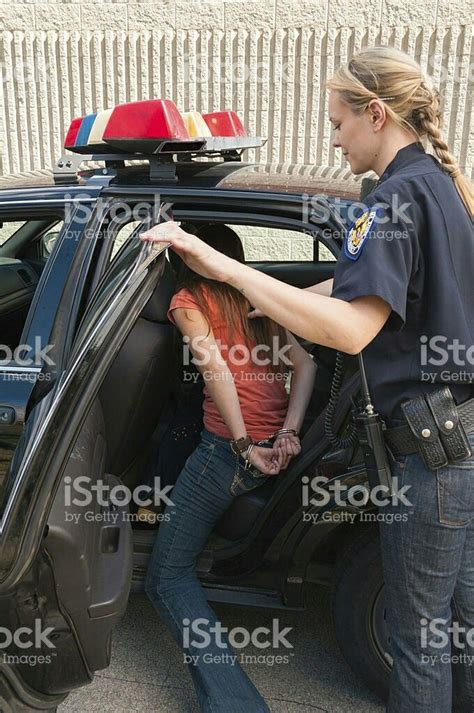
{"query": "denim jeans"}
[(428, 561), (212, 476)]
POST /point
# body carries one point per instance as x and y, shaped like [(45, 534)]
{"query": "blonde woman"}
[(403, 279)]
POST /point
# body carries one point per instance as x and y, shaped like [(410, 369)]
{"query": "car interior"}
[(167, 412)]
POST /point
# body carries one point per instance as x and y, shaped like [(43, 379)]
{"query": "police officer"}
[(402, 293)]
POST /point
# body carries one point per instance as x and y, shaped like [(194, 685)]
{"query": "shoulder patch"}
[(358, 234)]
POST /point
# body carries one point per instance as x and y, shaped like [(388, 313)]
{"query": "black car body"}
[(93, 409)]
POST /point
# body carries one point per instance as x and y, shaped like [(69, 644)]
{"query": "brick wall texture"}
[(268, 60)]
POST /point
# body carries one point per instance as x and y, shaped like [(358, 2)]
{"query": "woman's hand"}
[(288, 446), (198, 255), (266, 460)]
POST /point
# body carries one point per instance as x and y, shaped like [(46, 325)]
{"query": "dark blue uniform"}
[(413, 246)]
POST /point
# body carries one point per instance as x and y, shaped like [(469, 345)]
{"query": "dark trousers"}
[(428, 559)]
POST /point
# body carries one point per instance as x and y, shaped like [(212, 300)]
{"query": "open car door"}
[(66, 562)]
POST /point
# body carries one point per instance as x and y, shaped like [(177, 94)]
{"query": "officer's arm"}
[(322, 288), (335, 323)]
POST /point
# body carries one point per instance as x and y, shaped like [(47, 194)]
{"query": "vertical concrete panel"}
[(43, 83), (265, 92), (35, 129), (131, 49), (276, 119), (10, 139), (21, 97)]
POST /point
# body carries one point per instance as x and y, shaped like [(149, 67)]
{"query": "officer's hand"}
[(198, 255)]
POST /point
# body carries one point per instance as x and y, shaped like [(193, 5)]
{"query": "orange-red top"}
[(262, 395)]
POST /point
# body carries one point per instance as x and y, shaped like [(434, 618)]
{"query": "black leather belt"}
[(401, 440)]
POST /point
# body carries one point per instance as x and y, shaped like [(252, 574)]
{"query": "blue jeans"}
[(428, 561), (212, 476)]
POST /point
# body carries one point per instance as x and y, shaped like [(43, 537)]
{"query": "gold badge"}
[(358, 234)]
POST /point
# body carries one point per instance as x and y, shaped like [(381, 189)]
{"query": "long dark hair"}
[(231, 304)]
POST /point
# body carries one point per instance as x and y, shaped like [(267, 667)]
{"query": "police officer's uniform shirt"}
[(413, 246)]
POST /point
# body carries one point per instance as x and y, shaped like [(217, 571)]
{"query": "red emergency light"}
[(144, 123), (224, 123)]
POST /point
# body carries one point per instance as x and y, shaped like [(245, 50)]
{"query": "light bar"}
[(155, 126)]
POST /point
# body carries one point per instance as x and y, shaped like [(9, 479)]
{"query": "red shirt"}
[(262, 395)]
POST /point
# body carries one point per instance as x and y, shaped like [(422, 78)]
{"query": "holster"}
[(434, 422), (451, 430)]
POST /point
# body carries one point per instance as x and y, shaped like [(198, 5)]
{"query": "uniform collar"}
[(402, 158)]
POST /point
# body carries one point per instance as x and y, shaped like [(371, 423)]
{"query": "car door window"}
[(262, 244), (48, 240), (25, 247), (8, 229), (122, 235), (324, 254)]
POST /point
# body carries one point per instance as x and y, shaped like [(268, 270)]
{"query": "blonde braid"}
[(428, 118)]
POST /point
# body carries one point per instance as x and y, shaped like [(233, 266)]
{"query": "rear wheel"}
[(359, 613)]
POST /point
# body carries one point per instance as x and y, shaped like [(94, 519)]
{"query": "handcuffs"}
[(244, 445)]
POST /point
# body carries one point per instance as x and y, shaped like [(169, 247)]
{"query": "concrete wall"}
[(268, 60)]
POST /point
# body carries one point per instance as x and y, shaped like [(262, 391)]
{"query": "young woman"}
[(245, 404), (402, 291)]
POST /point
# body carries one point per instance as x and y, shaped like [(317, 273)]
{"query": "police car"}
[(86, 397)]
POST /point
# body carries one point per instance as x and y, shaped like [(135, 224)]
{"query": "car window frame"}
[(263, 220)]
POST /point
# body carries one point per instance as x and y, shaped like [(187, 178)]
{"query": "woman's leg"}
[(429, 570), (200, 496)]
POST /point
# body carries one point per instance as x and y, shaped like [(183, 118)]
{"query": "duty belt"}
[(434, 432)]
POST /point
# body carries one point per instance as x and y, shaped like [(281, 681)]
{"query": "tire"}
[(359, 614)]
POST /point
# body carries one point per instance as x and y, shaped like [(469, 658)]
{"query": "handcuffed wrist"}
[(283, 431), (240, 445), (246, 455)]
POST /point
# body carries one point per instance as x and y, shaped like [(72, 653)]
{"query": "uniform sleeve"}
[(378, 258), (182, 298)]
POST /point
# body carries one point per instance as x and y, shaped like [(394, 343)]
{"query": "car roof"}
[(283, 178)]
